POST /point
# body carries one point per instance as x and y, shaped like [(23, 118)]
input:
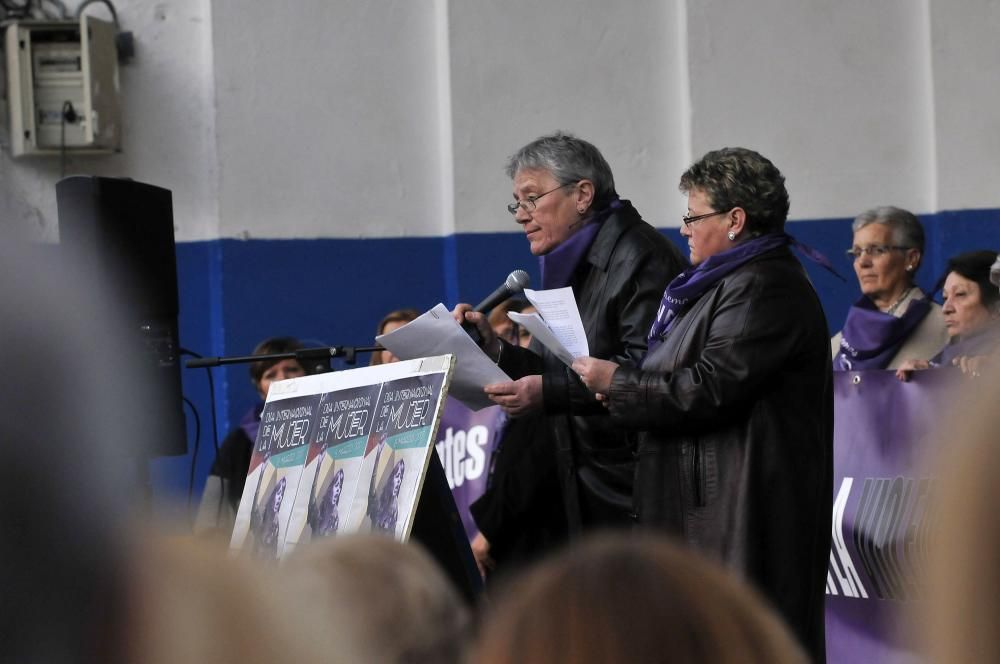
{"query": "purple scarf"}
[(559, 264), (982, 342), (499, 429), (251, 421), (692, 283), (872, 338)]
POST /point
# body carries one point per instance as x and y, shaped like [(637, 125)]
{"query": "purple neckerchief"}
[(251, 421), (982, 342), (499, 429), (692, 283), (558, 265), (871, 338)]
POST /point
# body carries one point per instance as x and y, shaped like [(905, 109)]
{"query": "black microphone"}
[(516, 282)]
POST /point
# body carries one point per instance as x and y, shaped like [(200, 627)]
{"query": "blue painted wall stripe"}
[(333, 291)]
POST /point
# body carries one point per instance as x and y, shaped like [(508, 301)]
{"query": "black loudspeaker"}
[(123, 230)]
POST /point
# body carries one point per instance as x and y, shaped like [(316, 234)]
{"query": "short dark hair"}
[(975, 266), (499, 313), (738, 177), (272, 346), (397, 316)]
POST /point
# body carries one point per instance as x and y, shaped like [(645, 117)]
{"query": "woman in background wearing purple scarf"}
[(220, 499), (734, 400), (971, 310), (894, 320), (585, 236)]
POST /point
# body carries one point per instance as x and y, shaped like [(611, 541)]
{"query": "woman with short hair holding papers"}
[(734, 401), (617, 265)]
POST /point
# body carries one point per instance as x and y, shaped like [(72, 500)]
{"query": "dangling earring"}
[(732, 236), (909, 268)]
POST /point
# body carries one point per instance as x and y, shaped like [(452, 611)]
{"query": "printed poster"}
[(276, 465), (396, 452), (339, 453), (333, 464)]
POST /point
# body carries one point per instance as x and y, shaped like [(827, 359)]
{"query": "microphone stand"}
[(313, 360)]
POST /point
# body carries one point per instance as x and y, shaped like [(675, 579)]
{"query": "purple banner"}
[(466, 439), (884, 432)]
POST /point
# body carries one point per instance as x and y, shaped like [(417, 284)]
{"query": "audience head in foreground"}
[(381, 600), (80, 397), (962, 622), (632, 599), (191, 602)]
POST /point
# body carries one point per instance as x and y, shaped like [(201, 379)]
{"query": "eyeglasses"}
[(875, 250), (694, 220), (528, 204)]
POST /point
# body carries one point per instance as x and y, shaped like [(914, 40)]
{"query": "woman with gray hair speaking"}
[(894, 320), (617, 264)]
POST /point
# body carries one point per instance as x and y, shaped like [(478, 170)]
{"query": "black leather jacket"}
[(735, 454), (618, 287)]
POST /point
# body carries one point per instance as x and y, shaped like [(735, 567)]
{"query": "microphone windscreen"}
[(517, 281)]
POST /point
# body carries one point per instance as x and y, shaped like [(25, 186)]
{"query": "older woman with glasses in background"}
[(894, 320), (971, 310), (617, 264)]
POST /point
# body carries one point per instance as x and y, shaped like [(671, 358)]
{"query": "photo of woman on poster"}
[(327, 515), (383, 506), (264, 524)]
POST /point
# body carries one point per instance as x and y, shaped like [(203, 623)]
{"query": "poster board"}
[(341, 453)]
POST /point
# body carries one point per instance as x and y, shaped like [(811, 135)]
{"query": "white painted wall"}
[(394, 117), (965, 49), (522, 69), (327, 118), (169, 126), (837, 95)]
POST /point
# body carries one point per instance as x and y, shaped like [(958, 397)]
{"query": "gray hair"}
[(907, 230), (569, 159), (738, 177)]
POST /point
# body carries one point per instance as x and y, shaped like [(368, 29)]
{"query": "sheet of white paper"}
[(558, 309), (435, 332), (534, 324)]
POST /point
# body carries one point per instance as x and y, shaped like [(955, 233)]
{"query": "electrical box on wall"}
[(62, 87)]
